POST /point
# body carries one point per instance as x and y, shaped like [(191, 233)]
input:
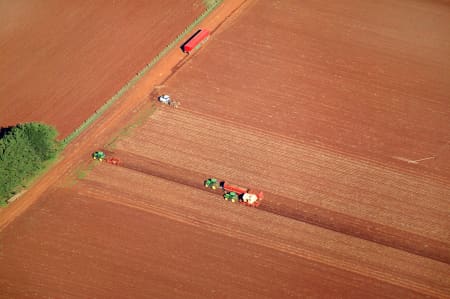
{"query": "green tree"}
[(24, 151)]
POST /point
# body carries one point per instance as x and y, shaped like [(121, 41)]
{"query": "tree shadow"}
[(5, 130)]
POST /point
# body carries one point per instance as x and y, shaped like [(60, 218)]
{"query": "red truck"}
[(195, 40)]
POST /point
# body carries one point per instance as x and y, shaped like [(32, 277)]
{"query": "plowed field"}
[(337, 111), (60, 61), (148, 242), (360, 78), (302, 182)]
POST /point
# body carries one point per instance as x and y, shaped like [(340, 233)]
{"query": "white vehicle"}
[(250, 198), (165, 99)]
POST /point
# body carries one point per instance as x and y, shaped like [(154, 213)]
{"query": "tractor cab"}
[(100, 156), (212, 183), (231, 196)]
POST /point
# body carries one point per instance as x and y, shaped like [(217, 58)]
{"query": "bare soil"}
[(302, 182), (320, 106), (362, 79), (62, 61)]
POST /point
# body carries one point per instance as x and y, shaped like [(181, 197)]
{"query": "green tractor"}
[(231, 196), (100, 156), (212, 183)]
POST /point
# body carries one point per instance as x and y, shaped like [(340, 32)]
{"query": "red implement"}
[(255, 204), (260, 194), (113, 161), (234, 188)]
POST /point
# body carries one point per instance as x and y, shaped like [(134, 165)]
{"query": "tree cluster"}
[(24, 151)]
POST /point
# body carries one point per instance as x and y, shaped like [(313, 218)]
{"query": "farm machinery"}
[(235, 193), (166, 99), (101, 156)]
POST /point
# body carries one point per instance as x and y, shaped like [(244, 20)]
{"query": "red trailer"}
[(234, 188), (196, 40)]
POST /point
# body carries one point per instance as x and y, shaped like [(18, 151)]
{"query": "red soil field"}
[(300, 181), (368, 79), (166, 238), (345, 214), (60, 61)]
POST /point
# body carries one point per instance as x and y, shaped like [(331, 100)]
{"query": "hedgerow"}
[(24, 150)]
